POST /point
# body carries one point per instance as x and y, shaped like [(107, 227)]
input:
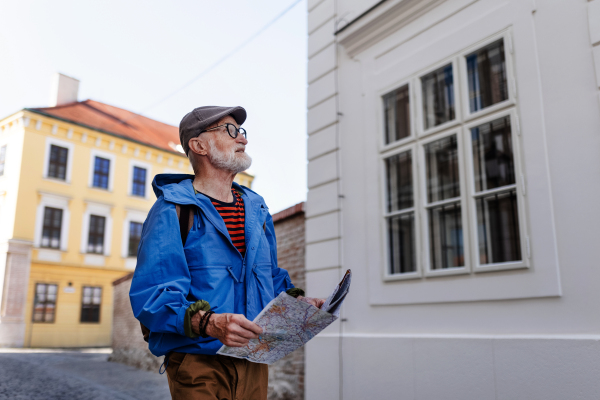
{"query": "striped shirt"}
[(234, 217)]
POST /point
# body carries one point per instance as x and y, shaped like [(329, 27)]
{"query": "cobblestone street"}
[(68, 374)]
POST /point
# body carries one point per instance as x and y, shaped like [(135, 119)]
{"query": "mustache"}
[(240, 147)]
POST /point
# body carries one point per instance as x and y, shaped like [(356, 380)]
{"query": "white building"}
[(454, 166)]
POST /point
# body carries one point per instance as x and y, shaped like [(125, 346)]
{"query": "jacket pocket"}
[(264, 282), (213, 283)]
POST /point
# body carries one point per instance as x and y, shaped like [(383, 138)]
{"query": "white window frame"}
[(101, 210), (111, 177), (510, 78), (387, 275), (147, 187), (54, 201), (383, 147), (423, 207), (70, 147), (132, 216), (460, 127), (418, 95), (518, 185)]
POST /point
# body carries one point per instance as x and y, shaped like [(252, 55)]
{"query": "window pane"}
[(51, 228), (401, 234), (399, 181), (438, 97), (57, 168), (139, 182), (101, 172), (2, 159), (96, 234), (397, 114), (446, 236), (44, 303), (493, 163), (90, 304), (486, 73), (498, 228), (441, 159), (135, 235)]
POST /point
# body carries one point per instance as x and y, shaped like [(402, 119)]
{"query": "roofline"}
[(289, 212), (33, 110), (123, 279)]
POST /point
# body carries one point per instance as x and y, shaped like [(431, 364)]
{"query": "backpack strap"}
[(186, 220)]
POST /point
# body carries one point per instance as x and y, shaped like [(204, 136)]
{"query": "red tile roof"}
[(116, 121)]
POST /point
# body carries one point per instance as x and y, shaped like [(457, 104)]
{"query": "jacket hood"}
[(178, 188)]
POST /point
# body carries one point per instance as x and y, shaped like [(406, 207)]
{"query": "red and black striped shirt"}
[(234, 217)]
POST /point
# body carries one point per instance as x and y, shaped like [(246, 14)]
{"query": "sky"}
[(133, 54)]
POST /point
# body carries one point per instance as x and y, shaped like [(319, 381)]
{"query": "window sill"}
[(94, 259), (100, 189), (56, 180)]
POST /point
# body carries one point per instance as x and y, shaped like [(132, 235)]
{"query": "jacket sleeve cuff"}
[(200, 305), (295, 292)]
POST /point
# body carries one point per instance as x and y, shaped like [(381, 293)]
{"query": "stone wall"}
[(15, 264), (286, 377)]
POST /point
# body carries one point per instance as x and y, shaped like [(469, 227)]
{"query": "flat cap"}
[(202, 117)]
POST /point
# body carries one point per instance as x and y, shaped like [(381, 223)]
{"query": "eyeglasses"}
[(231, 129)]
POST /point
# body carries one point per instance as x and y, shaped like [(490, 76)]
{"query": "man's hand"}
[(233, 330), (311, 300)]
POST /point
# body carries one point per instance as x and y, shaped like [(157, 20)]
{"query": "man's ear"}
[(198, 146)]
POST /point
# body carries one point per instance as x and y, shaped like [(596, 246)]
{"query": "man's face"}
[(224, 152)]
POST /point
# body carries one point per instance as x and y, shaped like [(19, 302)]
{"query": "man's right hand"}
[(233, 330)]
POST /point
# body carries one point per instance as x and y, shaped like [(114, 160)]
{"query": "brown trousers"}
[(199, 376)]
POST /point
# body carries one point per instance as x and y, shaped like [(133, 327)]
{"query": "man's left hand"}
[(311, 300)]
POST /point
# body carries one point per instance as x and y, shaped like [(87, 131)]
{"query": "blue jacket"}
[(170, 277)]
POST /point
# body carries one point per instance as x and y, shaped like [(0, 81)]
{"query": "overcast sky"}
[(131, 54)]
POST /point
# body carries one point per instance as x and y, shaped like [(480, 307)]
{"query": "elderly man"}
[(207, 264)]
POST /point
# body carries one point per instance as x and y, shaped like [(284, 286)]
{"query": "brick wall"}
[(128, 343), (286, 377)]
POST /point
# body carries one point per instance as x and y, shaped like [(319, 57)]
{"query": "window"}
[(443, 205), (90, 304), (101, 172), (96, 235), (463, 204), (44, 304), (135, 235), (139, 182), (397, 114), (400, 213), (2, 159), (438, 97), (57, 166), (486, 75), (51, 229), (495, 192)]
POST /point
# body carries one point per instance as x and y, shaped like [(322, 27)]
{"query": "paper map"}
[(288, 324)]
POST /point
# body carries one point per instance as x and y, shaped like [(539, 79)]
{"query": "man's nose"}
[(241, 139)]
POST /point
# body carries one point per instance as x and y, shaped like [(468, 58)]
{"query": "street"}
[(74, 374)]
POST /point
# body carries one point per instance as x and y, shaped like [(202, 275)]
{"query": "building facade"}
[(469, 129), (75, 188)]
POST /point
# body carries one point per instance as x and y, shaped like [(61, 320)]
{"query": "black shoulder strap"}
[(184, 222)]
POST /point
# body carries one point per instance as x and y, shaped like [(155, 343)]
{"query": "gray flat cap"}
[(202, 117)]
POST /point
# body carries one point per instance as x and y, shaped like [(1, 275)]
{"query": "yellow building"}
[(75, 187)]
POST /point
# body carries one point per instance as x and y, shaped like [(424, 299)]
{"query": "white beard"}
[(234, 162)]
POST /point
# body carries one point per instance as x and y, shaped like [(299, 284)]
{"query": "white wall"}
[(538, 334)]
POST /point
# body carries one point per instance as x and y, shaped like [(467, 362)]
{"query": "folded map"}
[(288, 324)]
